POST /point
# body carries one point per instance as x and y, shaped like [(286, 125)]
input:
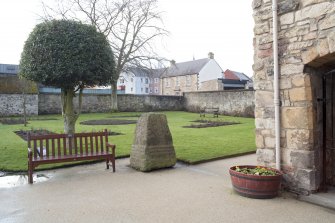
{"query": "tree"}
[(131, 27), (67, 55)]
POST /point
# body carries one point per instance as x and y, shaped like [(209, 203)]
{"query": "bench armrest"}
[(111, 146)]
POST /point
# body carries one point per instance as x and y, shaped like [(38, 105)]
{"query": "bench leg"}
[(30, 173), (107, 163), (112, 160), (113, 163)]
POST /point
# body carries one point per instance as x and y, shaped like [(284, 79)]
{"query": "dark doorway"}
[(328, 128)]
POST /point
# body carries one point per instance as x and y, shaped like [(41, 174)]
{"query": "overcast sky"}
[(196, 28)]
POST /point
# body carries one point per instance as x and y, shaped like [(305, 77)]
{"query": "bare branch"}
[(131, 26)]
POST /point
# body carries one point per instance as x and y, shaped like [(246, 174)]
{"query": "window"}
[(156, 80), (177, 93), (167, 82), (141, 89), (131, 89), (146, 80), (156, 89), (141, 80), (121, 81), (131, 79), (146, 90), (188, 80), (177, 81), (150, 90)]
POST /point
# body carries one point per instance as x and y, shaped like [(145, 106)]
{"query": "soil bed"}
[(108, 122), (37, 132), (125, 116), (12, 121), (209, 123)]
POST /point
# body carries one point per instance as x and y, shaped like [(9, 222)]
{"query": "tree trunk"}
[(70, 117), (114, 106)]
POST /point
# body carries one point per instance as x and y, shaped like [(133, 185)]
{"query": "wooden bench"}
[(214, 111), (58, 148)]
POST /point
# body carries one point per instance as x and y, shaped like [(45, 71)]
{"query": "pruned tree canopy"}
[(67, 54)]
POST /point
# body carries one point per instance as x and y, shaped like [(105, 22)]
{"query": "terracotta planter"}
[(255, 186)]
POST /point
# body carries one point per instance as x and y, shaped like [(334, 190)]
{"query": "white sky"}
[(196, 28)]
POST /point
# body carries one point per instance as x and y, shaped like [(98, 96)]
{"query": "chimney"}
[(172, 63), (211, 55)]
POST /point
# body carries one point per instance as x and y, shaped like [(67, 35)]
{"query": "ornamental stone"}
[(153, 146)]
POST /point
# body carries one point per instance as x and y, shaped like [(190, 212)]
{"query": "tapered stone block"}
[(153, 146)]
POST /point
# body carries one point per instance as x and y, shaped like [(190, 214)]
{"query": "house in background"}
[(155, 81), (195, 75), (235, 80), (134, 81)]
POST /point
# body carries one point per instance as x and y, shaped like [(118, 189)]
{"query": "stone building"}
[(195, 75), (306, 31)]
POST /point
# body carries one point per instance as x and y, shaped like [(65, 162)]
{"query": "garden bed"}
[(209, 123), (108, 122)]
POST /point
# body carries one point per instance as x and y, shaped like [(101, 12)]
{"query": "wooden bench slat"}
[(64, 146), (81, 144), (53, 147), (35, 149), (47, 147), (101, 143), (59, 148), (86, 145), (70, 142), (75, 145), (96, 144)]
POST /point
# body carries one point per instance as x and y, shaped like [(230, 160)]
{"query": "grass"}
[(192, 145)]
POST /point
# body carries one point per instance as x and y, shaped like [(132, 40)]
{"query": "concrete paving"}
[(200, 193)]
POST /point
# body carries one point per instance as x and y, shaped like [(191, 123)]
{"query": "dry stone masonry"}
[(306, 51), (153, 147)]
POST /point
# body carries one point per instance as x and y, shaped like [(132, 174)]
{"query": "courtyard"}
[(185, 193)]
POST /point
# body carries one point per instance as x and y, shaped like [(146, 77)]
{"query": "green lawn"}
[(192, 145)]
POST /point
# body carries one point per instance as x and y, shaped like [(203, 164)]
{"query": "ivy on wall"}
[(14, 85)]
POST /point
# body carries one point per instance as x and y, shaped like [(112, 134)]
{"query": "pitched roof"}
[(157, 73), (138, 71), (185, 68), (234, 75), (9, 69)]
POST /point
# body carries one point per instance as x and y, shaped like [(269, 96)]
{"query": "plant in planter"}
[(255, 181)]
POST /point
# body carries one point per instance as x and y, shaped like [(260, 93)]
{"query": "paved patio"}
[(200, 193)]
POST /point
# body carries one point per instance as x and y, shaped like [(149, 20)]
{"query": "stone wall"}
[(240, 103), (178, 85), (12, 104), (237, 103), (150, 103), (51, 103), (306, 39), (211, 85)]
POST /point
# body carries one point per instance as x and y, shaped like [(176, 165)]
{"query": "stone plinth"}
[(152, 147)]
